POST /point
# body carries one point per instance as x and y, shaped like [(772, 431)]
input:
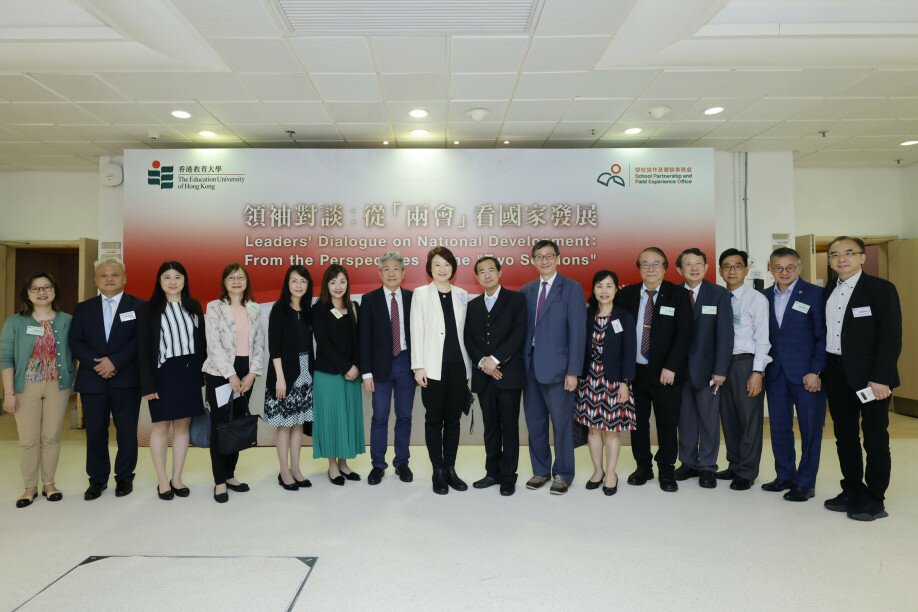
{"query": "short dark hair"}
[(446, 254), (691, 251), (484, 259), (592, 302), (27, 306), (731, 253), (857, 241), (331, 273), (784, 252), (652, 249), (247, 294), (541, 244)]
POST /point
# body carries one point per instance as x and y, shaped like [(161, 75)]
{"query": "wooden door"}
[(902, 255), (806, 246), (89, 253)]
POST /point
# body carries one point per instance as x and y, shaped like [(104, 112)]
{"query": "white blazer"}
[(428, 329)]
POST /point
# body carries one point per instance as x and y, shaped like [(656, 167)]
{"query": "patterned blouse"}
[(43, 363)]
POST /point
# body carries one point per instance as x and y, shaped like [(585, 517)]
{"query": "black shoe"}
[(485, 482), (870, 511), (221, 498), (668, 483), (799, 495), (303, 484), (640, 476), (95, 491), (56, 496), (507, 489), (609, 491), (777, 485), (123, 487), (440, 487), (376, 475), (22, 502), (453, 480), (740, 484), (707, 479), (726, 474), (337, 480), (404, 473), (240, 488), (591, 485), (352, 476), (167, 496), (843, 502), (684, 472), (182, 492), (293, 486)]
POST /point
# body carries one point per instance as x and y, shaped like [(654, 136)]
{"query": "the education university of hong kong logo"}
[(611, 177), (160, 175)]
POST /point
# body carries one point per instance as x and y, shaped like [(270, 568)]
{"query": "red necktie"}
[(692, 298), (648, 318), (396, 327)]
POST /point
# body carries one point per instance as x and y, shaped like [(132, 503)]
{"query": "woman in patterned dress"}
[(604, 401)]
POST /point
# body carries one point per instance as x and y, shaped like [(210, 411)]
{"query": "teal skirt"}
[(337, 430)]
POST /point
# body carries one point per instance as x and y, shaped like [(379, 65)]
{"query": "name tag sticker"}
[(801, 307), (709, 310), (127, 316), (35, 330), (336, 313), (616, 326), (737, 319), (863, 311), (669, 311)]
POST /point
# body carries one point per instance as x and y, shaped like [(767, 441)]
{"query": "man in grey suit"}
[(553, 356), (709, 361)]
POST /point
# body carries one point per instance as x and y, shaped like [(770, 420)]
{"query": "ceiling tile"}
[(767, 144), (568, 143), (436, 112), (256, 54), (315, 132), (365, 144), (548, 85), (893, 108), (684, 83), (537, 110), (403, 130), (146, 86), (27, 148), (103, 132), (162, 111), (881, 83), (668, 143), (358, 112), (272, 144), (12, 114), (241, 112), (82, 148), (458, 110), (619, 143), (414, 86), (409, 54), (596, 110), (118, 147), (334, 54), (515, 130), (564, 53), (142, 133), (54, 112), (860, 143), (6, 134), (214, 87), (897, 127), (47, 132), (616, 83), (732, 107), (118, 112), (639, 110), (741, 129), (481, 86), (347, 87), (20, 88), (687, 129), (838, 108), (825, 157), (819, 82), (79, 87), (279, 87), (721, 144), (522, 143), (365, 131), (229, 17), (487, 54), (579, 17), (751, 83), (474, 131), (581, 129), (249, 133), (813, 128), (474, 144), (298, 112), (773, 109)]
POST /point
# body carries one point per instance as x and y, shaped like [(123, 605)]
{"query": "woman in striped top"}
[(171, 351)]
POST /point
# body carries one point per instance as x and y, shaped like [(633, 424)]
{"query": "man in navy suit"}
[(103, 337), (385, 361), (709, 361), (797, 329), (553, 356)]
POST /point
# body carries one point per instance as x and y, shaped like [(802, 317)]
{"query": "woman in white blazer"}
[(235, 356), (441, 364)]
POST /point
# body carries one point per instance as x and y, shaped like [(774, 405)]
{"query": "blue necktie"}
[(108, 316)]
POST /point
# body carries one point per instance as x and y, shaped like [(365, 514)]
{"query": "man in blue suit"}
[(103, 337), (553, 357), (798, 352)]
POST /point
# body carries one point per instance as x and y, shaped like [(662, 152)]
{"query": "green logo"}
[(611, 177), (160, 175)]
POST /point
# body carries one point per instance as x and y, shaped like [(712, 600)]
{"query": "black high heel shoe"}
[(290, 487), (168, 495), (181, 492), (591, 485), (611, 490)]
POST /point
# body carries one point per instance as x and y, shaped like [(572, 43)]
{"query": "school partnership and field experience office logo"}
[(160, 175), (611, 177)]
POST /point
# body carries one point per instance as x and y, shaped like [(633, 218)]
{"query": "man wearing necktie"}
[(495, 330), (385, 361), (103, 337), (553, 357), (663, 312)]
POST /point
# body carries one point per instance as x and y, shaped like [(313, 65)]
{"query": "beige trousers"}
[(40, 411)]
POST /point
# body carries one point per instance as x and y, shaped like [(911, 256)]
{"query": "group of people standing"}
[(696, 355)]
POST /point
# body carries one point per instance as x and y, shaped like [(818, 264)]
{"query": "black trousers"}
[(849, 417), (443, 400), (665, 402), (99, 409), (500, 411), (224, 466)]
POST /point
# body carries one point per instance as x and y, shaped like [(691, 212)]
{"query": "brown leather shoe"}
[(536, 482)]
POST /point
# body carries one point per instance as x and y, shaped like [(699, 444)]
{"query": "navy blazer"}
[(149, 329), (798, 346), (375, 327), (87, 342), (501, 333), (712, 344), (618, 349), (559, 333)]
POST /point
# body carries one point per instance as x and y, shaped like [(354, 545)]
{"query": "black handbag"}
[(581, 433), (237, 434), (200, 430)]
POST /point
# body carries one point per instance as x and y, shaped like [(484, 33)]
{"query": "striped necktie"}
[(648, 319)]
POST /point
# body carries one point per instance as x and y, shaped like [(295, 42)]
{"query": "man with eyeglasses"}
[(863, 341), (663, 312), (742, 408), (798, 356)]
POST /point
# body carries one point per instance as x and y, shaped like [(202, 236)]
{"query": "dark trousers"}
[(401, 386), (783, 396), (873, 418), (743, 418), (224, 466), (500, 411), (444, 399), (665, 401), (699, 427), (544, 402), (99, 409)]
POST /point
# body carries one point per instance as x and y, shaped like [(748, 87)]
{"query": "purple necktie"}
[(540, 306)]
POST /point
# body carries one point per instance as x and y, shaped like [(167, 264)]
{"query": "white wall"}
[(49, 205), (836, 201), (910, 201)]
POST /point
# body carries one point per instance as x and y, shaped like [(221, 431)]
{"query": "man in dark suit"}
[(863, 341), (103, 337), (385, 361), (663, 312), (553, 357), (797, 332), (709, 361), (495, 329)]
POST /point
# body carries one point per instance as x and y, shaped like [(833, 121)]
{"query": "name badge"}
[(336, 313), (863, 311), (737, 319), (801, 307), (617, 326), (709, 310), (669, 311), (35, 330), (127, 316)]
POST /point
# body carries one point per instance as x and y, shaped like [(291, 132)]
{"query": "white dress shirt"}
[(835, 312), (490, 300), (781, 300), (694, 292), (640, 320), (750, 326)]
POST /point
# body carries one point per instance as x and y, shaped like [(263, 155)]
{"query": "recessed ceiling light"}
[(908, 143), (455, 142), (418, 113), (207, 133), (180, 114), (714, 110), (633, 131), (506, 142), (419, 132), (385, 142)]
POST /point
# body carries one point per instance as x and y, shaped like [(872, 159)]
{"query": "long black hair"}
[(157, 303), (332, 273), (593, 303), (285, 295), (27, 307)]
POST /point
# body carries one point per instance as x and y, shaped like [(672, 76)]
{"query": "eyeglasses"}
[(235, 278), (733, 268), (789, 269), (546, 257), (846, 254), (44, 289), (655, 265)]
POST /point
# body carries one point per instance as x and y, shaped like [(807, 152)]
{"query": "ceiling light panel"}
[(229, 18)]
